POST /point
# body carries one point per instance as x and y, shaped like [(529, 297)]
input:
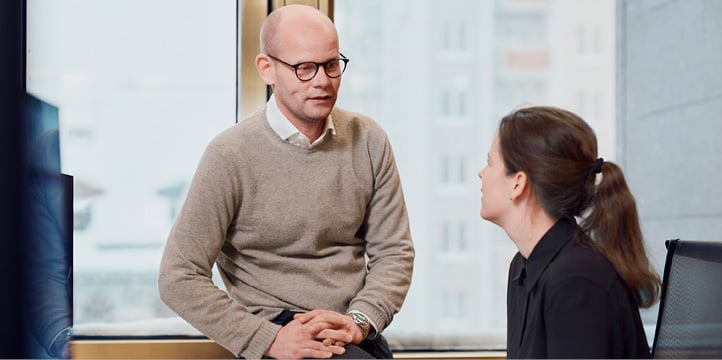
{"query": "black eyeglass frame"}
[(317, 65)]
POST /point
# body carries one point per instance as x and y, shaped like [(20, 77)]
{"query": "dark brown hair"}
[(558, 152)]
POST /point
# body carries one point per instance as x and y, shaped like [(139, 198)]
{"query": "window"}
[(527, 29), (454, 102), (453, 36), (453, 238), (142, 86), (453, 170)]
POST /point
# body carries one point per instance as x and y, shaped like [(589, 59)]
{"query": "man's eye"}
[(307, 67)]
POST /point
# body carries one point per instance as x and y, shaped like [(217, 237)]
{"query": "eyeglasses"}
[(306, 71)]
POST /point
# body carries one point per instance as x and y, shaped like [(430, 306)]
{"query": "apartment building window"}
[(453, 169), (589, 39), (454, 34), (454, 238), (522, 29), (454, 103), (581, 40), (597, 41)]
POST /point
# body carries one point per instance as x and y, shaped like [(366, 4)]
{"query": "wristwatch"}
[(362, 321)]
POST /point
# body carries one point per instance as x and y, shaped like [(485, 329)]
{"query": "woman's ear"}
[(519, 185), (265, 69)]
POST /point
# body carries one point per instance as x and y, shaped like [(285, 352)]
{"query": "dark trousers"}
[(376, 348)]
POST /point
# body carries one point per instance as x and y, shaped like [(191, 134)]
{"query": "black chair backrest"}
[(689, 324)]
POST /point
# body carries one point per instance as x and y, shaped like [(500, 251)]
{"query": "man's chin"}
[(319, 113)]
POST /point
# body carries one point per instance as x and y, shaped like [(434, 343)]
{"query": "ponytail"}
[(613, 225)]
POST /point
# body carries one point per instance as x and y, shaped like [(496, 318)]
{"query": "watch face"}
[(360, 318), (363, 322)]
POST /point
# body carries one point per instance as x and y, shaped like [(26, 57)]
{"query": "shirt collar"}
[(285, 129), (544, 252)]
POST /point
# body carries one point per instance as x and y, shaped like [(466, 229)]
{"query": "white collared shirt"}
[(288, 132)]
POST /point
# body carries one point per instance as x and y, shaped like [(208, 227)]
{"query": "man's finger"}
[(308, 316), (318, 350), (336, 335)]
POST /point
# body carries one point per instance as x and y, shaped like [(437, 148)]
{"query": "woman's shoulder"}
[(581, 263)]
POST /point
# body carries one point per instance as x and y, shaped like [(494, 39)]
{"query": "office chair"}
[(689, 324)]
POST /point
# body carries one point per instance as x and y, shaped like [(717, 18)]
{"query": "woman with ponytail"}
[(581, 273)]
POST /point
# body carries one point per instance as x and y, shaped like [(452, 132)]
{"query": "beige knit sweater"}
[(288, 228)]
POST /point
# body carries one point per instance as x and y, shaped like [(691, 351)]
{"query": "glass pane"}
[(438, 76), (141, 87)]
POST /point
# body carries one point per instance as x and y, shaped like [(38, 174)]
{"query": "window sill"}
[(148, 349), (208, 349)]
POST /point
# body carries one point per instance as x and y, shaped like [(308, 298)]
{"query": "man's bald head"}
[(293, 18)]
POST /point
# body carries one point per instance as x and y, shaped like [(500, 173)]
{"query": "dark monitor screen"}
[(48, 229)]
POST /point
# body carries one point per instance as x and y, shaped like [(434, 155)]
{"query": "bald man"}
[(301, 209)]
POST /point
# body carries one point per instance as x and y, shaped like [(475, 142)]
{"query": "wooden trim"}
[(252, 92), (208, 349), (451, 355), (326, 6), (280, 3), (148, 349)]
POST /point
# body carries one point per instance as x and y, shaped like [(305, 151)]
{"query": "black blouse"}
[(567, 301)]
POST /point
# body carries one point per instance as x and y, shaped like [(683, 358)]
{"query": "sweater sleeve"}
[(185, 278), (388, 241)]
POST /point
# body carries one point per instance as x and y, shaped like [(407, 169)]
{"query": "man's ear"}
[(265, 69), (519, 184)]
